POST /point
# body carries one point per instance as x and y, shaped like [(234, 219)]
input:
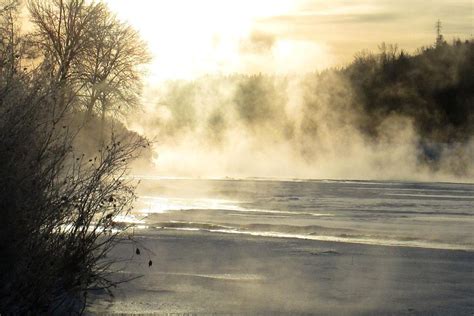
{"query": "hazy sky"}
[(189, 38)]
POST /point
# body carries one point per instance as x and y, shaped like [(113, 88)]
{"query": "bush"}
[(57, 207), (58, 202)]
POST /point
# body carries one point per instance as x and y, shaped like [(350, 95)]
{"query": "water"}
[(428, 215)]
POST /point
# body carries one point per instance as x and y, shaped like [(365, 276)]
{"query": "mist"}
[(178, 157), (318, 125)]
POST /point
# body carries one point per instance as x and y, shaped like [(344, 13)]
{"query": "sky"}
[(191, 38)]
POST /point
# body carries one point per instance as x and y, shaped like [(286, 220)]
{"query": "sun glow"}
[(191, 38)]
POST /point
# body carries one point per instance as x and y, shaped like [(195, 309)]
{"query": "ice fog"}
[(310, 126)]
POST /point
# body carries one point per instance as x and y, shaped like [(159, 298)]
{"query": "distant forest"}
[(433, 89)]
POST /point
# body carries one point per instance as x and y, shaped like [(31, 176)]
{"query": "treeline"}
[(63, 154), (431, 90), (434, 87)]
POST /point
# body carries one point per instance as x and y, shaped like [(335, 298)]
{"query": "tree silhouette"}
[(90, 53), (57, 204)]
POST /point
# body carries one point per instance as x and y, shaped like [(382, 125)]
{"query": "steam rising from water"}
[(286, 127)]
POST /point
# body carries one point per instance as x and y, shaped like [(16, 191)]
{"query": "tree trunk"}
[(102, 125)]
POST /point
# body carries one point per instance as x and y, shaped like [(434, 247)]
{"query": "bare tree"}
[(113, 67), (63, 30), (98, 55), (57, 207), (8, 38)]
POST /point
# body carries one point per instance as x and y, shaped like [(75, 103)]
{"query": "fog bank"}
[(360, 122)]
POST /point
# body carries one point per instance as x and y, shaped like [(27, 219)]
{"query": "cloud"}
[(191, 38), (345, 27), (313, 19), (257, 42)]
